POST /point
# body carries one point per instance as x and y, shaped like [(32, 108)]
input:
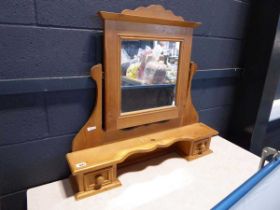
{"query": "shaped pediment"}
[(153, 11)]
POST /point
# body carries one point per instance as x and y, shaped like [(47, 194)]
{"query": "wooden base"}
[(95, 170)]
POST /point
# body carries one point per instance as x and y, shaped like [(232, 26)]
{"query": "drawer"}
[(199, 147), (91, 179)]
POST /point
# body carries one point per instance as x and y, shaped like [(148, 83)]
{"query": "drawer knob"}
[(201, 148), (99, 181)]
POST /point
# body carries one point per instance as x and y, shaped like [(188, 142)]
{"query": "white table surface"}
[(167, 183)]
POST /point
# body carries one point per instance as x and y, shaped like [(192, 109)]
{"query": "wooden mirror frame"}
[(129, 25)]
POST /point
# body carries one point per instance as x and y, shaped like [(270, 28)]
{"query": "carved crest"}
[(153, 11)]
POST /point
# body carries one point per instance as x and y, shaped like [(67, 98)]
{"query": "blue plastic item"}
[(242, 190)]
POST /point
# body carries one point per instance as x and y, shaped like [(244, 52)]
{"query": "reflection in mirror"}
[(149, 74)]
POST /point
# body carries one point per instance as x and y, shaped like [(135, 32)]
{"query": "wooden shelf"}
[(102, 156)]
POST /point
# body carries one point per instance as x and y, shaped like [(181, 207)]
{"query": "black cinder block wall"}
[(42, 40)]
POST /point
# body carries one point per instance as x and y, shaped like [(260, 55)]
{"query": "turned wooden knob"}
[(99, 181), (202, 147)]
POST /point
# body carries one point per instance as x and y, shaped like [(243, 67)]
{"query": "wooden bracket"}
[(92, 133)]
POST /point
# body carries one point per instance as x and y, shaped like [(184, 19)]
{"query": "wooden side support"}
[(190, 114), (92, 133)]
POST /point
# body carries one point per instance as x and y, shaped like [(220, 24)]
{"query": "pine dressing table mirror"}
[(143, 103)]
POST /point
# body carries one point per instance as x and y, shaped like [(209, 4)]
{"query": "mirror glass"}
[(148, 74)]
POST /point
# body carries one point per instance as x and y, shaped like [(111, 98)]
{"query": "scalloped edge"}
[(153, 11)]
